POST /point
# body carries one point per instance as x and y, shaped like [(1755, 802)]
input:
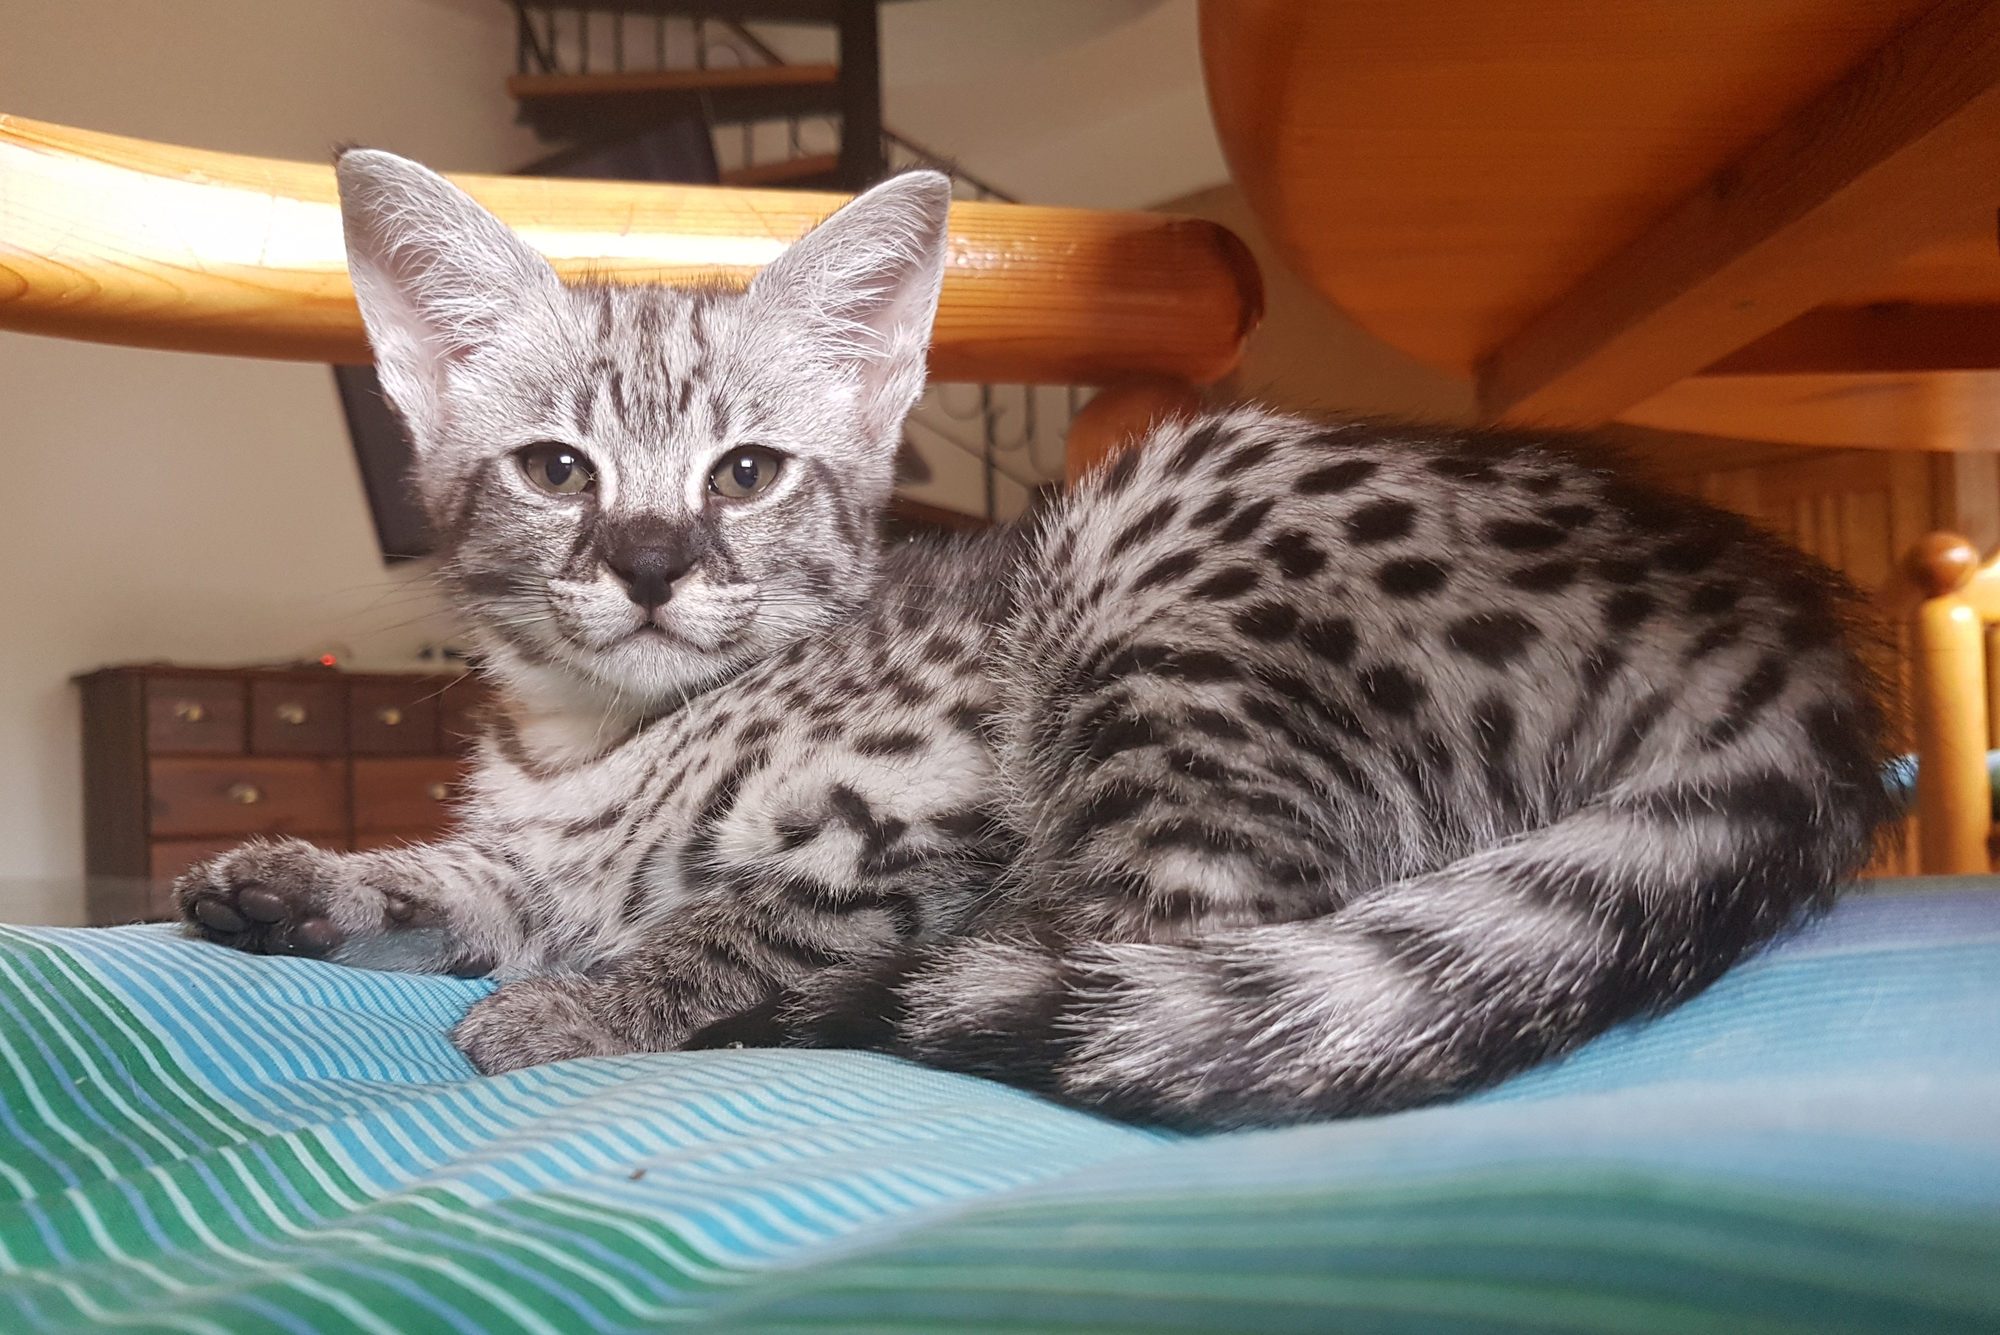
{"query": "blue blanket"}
[(196, 1140)]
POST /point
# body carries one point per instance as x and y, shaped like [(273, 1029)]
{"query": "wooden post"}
[(1954, 794), (1120, 415)]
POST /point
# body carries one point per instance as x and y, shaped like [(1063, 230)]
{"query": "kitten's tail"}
[(1429, 986)]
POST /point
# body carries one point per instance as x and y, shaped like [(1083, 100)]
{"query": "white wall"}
[(1091, 103), (162, 505)]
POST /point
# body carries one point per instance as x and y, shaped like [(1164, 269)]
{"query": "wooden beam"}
[(1859, 340), (124, 241), (1901, 152), (781, 170), (530, 87)]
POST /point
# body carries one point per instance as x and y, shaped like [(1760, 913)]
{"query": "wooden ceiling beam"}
[(1900, 153), (1862, 340)]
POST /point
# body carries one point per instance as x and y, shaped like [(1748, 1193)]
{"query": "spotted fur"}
[(1280, 770)]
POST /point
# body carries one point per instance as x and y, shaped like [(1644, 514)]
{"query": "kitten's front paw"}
[(269, 898), (538, 1020)]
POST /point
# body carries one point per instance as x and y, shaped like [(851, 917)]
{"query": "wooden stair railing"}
[(119, 240), (1953, 638)]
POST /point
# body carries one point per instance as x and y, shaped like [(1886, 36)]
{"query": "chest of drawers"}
[(183, 762)]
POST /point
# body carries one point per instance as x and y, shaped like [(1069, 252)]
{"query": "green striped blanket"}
[(194, 1140)]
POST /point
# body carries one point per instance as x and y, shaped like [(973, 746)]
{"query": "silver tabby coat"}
[(1280, 771)]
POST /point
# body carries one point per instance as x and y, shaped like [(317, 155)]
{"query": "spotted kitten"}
[(1281, 771)]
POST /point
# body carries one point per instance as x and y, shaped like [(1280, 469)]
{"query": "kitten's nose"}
[(649, 572)]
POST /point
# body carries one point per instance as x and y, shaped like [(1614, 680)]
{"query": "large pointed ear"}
[(435, 275), (865, 282)]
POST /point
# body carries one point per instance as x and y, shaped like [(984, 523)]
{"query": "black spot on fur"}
[(1166, 569), (1624, 571), (1644, 509), (1690, 555), (1714, 598), (1804, 631), (1632, 734), (1206, 769), (1132, 658), (1156, 517), (1569, 516), (1227, 582), (1214, 511), (1119, 476), (1244, 522), (1112, 804), (1336, 477), (1243, 457), (1717, 636), (1295, 554), (1627, 608), (1267, 621), (1187, 832), (1542, 484), (1524, 535), (1493, 638), (892, 742), (1544, 576), (1381, 521), (1495, 725), (1464, 467), (1333, 639), (1412, 577), (1214, 723), (1127, 732), (1200, 665), (1757, 690), (1195, 448), (1392, 690)]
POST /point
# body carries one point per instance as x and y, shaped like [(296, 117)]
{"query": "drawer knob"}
[(291, 713), (438, 792), (189, 711), (389, 715), (245, 794)]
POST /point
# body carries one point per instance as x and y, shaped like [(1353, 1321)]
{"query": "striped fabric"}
[(200, 1141)]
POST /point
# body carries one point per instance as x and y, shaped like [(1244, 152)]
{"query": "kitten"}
[(1282, 770)]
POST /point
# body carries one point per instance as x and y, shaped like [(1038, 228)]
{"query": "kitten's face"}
[(643, 487)]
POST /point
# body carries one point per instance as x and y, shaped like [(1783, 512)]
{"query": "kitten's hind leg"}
[(447, 907)]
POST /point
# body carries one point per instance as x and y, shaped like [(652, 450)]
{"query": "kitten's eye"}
[(557, 469), (744, 471)]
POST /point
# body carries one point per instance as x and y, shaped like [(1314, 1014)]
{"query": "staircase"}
[(588, 76)]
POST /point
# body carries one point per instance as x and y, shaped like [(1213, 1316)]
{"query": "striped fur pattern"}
[(1281, 770)]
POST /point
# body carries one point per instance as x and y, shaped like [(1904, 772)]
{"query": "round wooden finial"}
[(1119, 415), (1941, 563)]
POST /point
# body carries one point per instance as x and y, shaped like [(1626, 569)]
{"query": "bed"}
[(204, 1141)]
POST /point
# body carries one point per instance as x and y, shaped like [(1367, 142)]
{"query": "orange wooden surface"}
[(1513, 189), (1118, 415), (124, 241)]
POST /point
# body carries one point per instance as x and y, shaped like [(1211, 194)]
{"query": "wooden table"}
[(1768, 218)]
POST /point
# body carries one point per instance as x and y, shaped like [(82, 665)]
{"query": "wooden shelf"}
[(531, 87), (810, 167)]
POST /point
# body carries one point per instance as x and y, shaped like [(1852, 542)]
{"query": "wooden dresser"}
[(182, 762)]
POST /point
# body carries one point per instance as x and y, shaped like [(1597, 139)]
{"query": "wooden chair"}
[(119, 240), (1954, 632)]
